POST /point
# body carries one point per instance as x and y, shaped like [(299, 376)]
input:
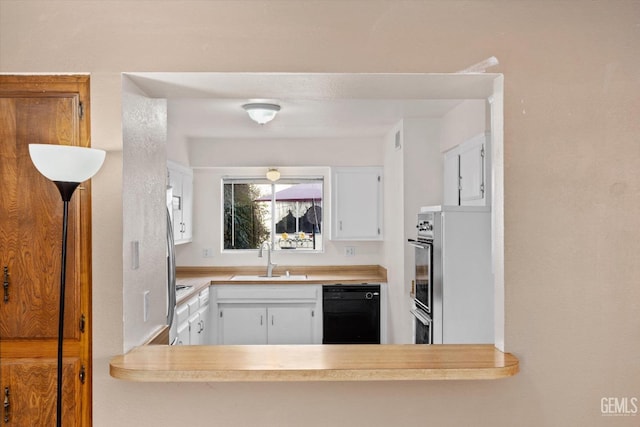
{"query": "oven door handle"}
[(418, 244), (425, 320)]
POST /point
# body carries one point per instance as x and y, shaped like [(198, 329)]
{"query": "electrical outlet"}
[(145, 305), (207, 253), (350, 251)]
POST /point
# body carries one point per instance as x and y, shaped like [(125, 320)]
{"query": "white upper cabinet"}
[(466, 178), (181, 182), (451, 178), (356, 199)]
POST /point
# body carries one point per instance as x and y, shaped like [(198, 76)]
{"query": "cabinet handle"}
[(7, 405), (261, 320), (340, 225), (272, 320), (5, 284), (83, 374)]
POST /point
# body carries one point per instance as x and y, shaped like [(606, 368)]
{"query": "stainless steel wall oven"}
[(423, 286)]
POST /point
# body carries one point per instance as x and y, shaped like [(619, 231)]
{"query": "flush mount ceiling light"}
[(261, 112), (273, 175)]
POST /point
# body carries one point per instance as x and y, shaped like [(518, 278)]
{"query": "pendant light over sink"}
[(261, 113), (273, 175)]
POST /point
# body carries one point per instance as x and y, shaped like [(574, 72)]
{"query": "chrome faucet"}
[(270, 266)]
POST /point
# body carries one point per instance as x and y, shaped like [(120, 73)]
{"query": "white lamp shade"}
[(66, 163), (261, 113)]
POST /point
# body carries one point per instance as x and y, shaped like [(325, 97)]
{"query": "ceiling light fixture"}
[(261, 112), (273, 175)]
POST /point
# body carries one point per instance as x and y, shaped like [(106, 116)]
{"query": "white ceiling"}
[(209, 105)]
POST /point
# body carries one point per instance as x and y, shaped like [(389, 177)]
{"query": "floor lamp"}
[(67, 166)]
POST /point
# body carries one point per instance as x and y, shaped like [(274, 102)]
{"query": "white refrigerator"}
[(462, 288)]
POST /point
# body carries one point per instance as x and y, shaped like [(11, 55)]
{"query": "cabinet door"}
[(183, 334), (31, 388), (357, 203), (181, 181), (472, 185), (241, 324), (187, 207), (290, 325), (175, 180), (194, 329), (31, 221), (452, 178), (203, 313)]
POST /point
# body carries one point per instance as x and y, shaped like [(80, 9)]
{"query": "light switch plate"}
[(145, 305), (135, 255)]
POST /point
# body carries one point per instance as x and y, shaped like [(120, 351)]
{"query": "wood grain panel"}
[(32, 221), (313, 363), (43, 109), (32, 388)]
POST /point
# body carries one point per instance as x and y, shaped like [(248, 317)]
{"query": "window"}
[(287, 214)]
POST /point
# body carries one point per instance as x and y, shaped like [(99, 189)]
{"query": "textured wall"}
[(572, 194), (144, 213)]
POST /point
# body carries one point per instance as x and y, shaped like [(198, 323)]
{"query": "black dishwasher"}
[(351, 314)]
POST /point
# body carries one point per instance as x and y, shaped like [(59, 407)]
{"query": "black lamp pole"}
[(66, 191)]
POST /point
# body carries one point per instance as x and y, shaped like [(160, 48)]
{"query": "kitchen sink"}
[(283, 278)]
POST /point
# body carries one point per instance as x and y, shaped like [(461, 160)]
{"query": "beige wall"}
[(572, 193)]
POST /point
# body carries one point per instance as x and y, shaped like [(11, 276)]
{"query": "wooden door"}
[(45, 110)]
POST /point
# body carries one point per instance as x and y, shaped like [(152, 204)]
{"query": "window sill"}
[(273, 363)]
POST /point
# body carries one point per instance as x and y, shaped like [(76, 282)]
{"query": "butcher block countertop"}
[(201, 277), (269, 363)]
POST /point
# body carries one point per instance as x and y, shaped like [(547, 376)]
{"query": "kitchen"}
[(392, 144), (570, 150)]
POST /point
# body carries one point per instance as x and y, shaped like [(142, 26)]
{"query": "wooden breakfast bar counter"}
[(270, 363)]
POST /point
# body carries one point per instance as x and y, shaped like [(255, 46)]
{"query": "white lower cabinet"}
[(192, 318), (288, 314), (183, 334), (290, 325), (241, 324)]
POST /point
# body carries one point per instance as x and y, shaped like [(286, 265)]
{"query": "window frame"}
[(261, 180)]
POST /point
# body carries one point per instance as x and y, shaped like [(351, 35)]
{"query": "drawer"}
[(265, 292), (204, 297), (194, 304), (182, 314)]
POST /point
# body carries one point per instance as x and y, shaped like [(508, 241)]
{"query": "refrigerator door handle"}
[(171, 270)]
